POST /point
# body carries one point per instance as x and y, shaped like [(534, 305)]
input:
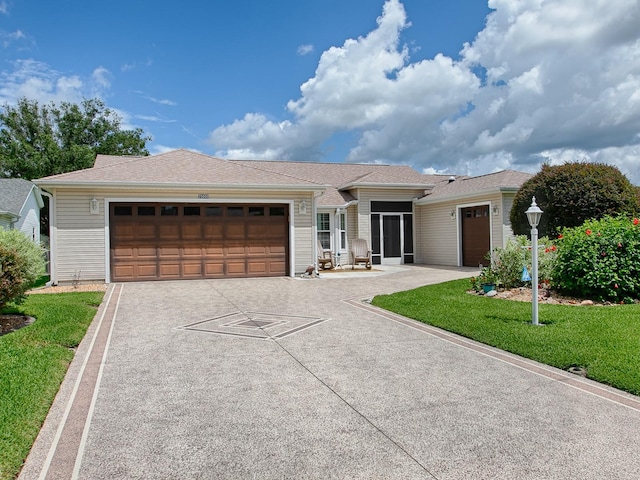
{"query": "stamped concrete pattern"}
[(347, 392)]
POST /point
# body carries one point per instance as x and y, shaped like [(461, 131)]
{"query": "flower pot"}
[(487, 287)]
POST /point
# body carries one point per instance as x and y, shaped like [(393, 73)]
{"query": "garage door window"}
[(276, 211), (256, 211), (146, 211), (191, 211), (168, 211), (235, 211), (123, 211), (213, 211)]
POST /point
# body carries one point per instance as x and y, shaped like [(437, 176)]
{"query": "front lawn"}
[(33, 362), (604, 340)]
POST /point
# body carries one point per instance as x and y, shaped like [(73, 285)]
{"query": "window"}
[(235, 211), (213, 211), (169, 211), (324, 229), (276, 211), (123, 210), (256, 211), (343, 232), (191, 211), (146, 211)]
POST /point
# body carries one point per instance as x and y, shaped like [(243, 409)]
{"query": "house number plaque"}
[(203, 195)]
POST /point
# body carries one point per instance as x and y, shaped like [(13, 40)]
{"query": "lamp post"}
[(533, 215)]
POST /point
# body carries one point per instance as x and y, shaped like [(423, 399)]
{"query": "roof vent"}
[(452, 179)]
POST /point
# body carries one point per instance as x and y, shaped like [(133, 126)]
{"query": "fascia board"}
[(390, 186), (461, 196), (178, 186)]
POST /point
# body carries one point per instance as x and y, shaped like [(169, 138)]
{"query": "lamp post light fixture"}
[(533, 215)]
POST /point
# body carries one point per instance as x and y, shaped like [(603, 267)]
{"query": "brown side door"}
[(476, 240)]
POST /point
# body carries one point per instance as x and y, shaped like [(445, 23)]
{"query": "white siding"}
[(438, 235), (29, 222), (366, 196), (81, 237)]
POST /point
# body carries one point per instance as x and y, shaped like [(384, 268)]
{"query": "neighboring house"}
[(183, 214), (20, 204)]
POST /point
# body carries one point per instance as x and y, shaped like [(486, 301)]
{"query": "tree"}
[(37, 141), (571, 194)]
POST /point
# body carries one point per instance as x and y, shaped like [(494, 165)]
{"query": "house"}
[(182, 214), (20, 204)]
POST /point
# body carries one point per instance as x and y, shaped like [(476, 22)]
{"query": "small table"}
[(336, 262)]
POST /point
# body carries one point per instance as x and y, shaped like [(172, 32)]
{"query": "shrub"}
[(600, 259), (572, 193), (508, 262), (21, 264)]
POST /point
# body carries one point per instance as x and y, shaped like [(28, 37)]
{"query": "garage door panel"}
[(170, 269), (223, 241), (145, 231), (169, 252), (146, 252), (191, 231), (214, 269), (124, 272), (147, 271), (236, 267), (123, 252), (169, 232), (192, 269)]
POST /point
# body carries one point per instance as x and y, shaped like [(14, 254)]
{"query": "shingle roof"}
[(464, 186), (342, 176), (177, 167), (13, 193)]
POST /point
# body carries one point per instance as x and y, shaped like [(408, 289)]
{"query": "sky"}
[(447, 86)]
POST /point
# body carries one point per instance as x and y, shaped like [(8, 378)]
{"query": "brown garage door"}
[(161, 241), (476, 241)]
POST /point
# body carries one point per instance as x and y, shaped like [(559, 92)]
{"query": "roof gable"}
[(14, 193)]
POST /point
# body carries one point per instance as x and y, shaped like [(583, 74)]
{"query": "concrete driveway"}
[(292, 378)]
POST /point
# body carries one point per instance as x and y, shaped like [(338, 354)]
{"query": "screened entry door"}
[(391, 239)]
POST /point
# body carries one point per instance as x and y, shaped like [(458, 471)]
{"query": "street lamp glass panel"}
[(533, 214)]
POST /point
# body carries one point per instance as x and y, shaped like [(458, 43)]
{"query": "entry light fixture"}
[(452, 214), (94, 207), (302, 208), (495, 210)]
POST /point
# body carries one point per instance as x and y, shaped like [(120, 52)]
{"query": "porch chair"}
[(325, 256), (360, 253)]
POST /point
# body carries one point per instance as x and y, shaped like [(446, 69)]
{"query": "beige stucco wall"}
[(80, 238)]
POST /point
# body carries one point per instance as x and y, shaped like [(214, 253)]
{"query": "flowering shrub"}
[(600, 259), (21, 263), (507, 263)]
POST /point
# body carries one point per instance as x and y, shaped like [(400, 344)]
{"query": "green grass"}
[(604, 340), (41, 281), (33, 362)]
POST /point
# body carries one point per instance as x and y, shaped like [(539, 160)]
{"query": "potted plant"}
[(488, 279)]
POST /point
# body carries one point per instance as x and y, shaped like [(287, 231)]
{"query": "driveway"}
[(298, 378)]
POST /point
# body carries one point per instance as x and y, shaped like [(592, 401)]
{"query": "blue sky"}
[(451, 86)]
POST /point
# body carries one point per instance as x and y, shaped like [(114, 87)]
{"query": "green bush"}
[(573, 193), (506, 264), (600, 259), (21, 264)]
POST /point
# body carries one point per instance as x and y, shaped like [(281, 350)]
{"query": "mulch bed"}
[(11, 322)]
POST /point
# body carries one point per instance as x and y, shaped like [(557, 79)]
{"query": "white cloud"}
[(305, 49), (161, 101), (544, 79), (4, 8), (38, 81)]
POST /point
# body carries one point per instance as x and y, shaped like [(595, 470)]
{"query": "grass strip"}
[(604, 340), (33, 363)]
